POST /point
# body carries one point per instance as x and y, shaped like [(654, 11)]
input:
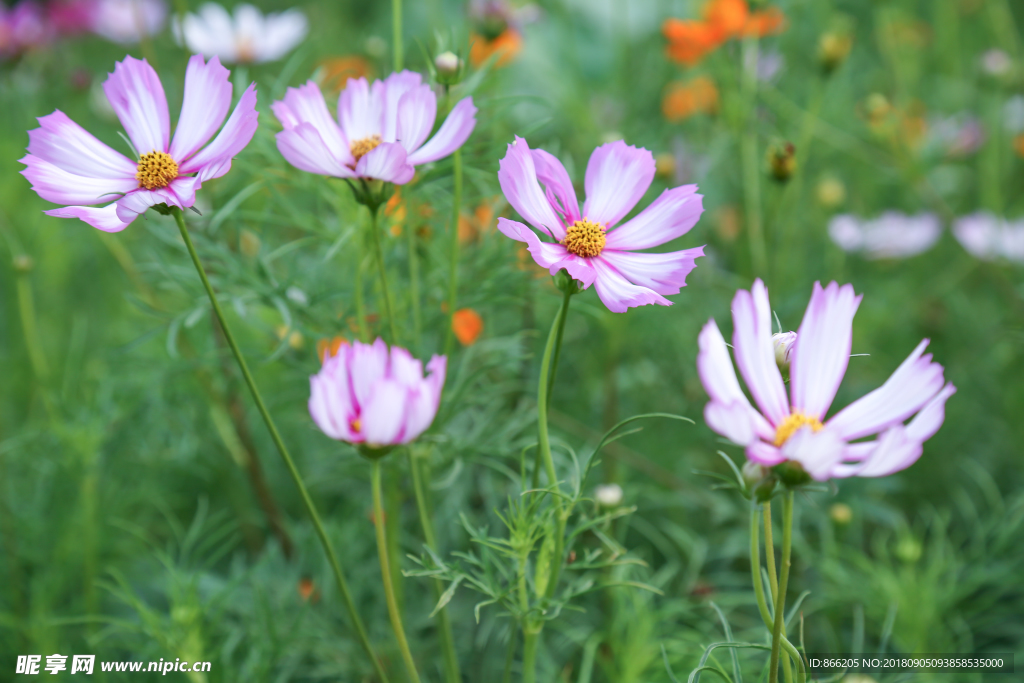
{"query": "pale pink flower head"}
[(792, 426), (587, 243), (380, 133), (23, 27), (374, 396), (66, 165), (893, 235), (250, 37), (991, 238), (127, 21)]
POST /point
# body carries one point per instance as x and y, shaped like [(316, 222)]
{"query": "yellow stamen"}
[(585, 238), (156, 170), (793, 423), (356, 425), (364, 146)]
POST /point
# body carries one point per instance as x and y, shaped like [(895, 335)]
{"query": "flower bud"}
[(249, 243), (841, 514), (833, 49), (23, 263), (608, 495), (759, 480), (665, 165), (782, 160), (448, 68), (783, 343), (831, 192)]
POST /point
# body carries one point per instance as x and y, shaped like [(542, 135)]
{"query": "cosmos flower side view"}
[(67, 165), (380, 133), (794, 427), (368, 394), (589, 244), (250, 37)]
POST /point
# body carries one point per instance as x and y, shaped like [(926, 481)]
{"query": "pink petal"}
[(731, 420), (822, 349), (367, 363), (663, 273), (755, 353), (546, 254), (425, 400), (719, 378), (818, 452), (394, 89), (617, 293), (384, 414), (65, 144), (361, 109), (138, 99), (329, 404), (206, 103), (559, 189), (517, 176), (214, 160), (104, 218), (387, 162), (578, 267), (617, 177), (305, 104), (913, 384), (181, 193), (416, 113), (764, 454), (303, 148), (669, 216), (62, 187), (894, 451), (927, 422), (453, 133)]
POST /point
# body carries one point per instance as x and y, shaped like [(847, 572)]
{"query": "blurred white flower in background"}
[(891, 235), (608, 495), (958, 135), (1013, 114), (996, 62), (250, 37), (127, 21), (990, 238)]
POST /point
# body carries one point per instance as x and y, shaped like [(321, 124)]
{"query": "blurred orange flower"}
[(683, 100), (467, 326), (308, 590), (1018, 144), (330, 347), (690, 40), (470, 227), (337, 70), (395, 210), (509, 43)]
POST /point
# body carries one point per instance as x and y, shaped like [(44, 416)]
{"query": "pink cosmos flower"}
[(793, 428), (66, 165), (249, 37), (366, 394), (127, 21), (585, 244), (382, 128), (892, 235), (23, 27)]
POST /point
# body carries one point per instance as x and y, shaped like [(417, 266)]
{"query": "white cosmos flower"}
[(127, 21), (249, 37), (893, 235)]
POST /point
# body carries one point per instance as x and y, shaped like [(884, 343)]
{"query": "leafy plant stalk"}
[(382, 271), (780, 599), (357, 623)]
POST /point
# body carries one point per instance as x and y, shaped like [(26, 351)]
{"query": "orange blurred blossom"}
[(467, 326)]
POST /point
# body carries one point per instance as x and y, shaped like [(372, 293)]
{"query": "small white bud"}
[(783, 343), (608, 495), (447, 63), (297, 295)]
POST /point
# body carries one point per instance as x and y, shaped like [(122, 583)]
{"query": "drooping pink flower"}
[(382, 133), (794, 427), (250, 37), (586, 245), (368, 394), (66, 165), (893, 235)]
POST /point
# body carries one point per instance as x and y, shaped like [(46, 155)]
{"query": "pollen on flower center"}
[(584, 238), (156, 170), (364, 146), (356, 425), (792, 424)]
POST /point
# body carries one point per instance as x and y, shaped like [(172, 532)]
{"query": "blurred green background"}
[(131, 525)]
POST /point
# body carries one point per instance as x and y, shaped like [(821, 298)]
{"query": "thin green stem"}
[(530, 637), (751, 171), (362, 324), (27, 310), (769, 551), (451, 659), (558, 346), (453, 272), (414, 282), (396, 31), (357, 623), (382, 271), (780, 600), (385, 572), (510, 655)]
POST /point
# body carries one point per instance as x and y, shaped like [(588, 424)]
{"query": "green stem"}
[(453, 273), (385, 294), (396, 29), (451, 658), (762, 605), (780, 600), (769, 551), (357, 623), (510, 655), (558, 346), (414, 282), (27, 309), (362, 324), (385, 572), (530, 654), (751, 171)]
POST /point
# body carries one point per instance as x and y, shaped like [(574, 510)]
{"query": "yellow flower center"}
[(584, 238), (361, 148), (156, 170), (793, 423), (356, 425)]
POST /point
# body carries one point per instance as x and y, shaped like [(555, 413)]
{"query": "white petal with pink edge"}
[(617, 177)]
